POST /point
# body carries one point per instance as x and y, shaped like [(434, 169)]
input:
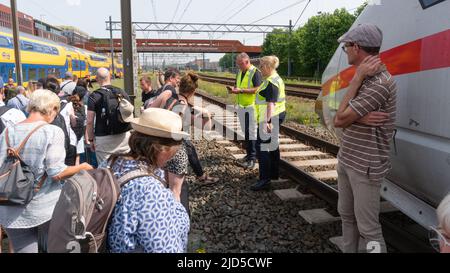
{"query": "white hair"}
[(44, 102), (443, 214)]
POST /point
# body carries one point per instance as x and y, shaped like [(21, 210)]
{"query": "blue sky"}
[(90, 15)]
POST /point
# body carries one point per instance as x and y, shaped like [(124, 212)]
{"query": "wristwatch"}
[(242, 91)]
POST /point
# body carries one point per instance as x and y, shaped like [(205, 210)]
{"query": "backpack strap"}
[(4, 109), (122, 181), (16, 152)]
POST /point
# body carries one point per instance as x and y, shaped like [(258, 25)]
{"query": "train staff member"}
[(271, 113), (248, 80), (440, 236), (363, 160)]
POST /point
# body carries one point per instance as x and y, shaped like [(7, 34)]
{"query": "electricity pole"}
[(15, 26), (127, 48), (289, 49), (112, 45)]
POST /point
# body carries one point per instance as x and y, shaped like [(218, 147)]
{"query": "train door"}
[(69, 63)]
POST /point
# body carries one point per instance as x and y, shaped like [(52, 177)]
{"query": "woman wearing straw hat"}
[(147, 217)]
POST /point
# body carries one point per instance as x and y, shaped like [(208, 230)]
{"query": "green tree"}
[(276, 43), (227, 61), (316, 42)]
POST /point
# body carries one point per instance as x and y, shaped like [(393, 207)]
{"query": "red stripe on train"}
[(432, 52)]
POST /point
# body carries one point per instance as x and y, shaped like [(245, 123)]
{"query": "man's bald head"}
[(103, 76)]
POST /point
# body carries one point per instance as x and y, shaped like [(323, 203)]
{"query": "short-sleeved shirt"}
[(256, 80), (364, 148), (95, 104), (19, 102), (147, 217), (271, 93), (44, 153)]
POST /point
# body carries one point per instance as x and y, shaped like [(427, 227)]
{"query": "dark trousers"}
[(248, 124), (268, 150), (194, 161)]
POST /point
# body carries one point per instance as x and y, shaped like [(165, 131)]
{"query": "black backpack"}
[(3, 110), (61, 123), (110, 111), (80, 127)]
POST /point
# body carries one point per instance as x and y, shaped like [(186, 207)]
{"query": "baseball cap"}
[(367, 35), (68, 74)]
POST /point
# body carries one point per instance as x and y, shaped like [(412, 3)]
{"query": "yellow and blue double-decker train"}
[(41, 58)]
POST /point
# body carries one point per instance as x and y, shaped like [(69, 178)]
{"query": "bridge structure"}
[(174, 46)]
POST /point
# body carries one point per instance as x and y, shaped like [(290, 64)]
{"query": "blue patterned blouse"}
[(147, 218)]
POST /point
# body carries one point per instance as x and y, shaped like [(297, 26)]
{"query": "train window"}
[(58, 73), (4, 42), (42, 73), (55, 51), (32, 74), (429, 3), (27, 46)]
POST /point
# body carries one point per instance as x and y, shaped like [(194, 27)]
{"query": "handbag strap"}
[(16, 152)]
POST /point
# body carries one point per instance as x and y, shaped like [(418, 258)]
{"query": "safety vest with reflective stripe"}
[(261, 104), (246, 100)]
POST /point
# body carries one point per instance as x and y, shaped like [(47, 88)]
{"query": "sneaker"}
[(251, 164), (261, 185)]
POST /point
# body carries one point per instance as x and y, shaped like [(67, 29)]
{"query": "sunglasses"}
[(344, 47), (437, 239)]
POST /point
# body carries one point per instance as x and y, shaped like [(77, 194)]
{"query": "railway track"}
[(311, 162), (295, 90)]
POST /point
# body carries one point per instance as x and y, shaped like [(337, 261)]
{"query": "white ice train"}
[(416, 49)]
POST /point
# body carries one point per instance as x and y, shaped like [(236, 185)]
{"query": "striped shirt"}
[(366, 149)]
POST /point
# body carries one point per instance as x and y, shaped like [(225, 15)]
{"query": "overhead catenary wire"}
[(239, 11), (278, 11), (176, 11), (184, 11), (301, 14), (224, 11)]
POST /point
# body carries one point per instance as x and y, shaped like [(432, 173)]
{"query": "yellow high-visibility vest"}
[(261, 104), (245, 100)]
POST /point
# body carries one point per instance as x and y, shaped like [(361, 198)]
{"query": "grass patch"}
[(299, 110)]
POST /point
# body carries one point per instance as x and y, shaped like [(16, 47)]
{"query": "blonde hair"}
[(44, 102), (271, 62), (443, 214)]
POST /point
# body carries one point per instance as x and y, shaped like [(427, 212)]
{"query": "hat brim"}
[(152, 131)]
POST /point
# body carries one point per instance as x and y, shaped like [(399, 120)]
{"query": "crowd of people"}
[(60, 129)]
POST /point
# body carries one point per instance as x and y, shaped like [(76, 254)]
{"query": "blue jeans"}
[(269, 157)]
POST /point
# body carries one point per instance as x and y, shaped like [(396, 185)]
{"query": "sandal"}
[(208, 180)]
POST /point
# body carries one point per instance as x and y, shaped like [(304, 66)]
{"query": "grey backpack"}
[(81, 216), (17, 180)]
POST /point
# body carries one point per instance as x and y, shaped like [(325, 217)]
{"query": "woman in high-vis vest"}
[(270, 114)]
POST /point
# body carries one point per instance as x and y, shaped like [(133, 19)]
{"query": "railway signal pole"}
[(15, 26)]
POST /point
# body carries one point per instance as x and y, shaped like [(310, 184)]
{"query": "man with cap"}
[(68, 85), (367, 115)]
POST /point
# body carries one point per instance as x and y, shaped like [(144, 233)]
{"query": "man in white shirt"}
[(68, 85)]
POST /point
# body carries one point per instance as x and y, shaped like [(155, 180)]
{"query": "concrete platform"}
[(318, 216), (301, 154), (291, 195), (325, 175), (315, 163)]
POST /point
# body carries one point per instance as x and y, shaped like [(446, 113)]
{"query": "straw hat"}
[(160, 123)]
